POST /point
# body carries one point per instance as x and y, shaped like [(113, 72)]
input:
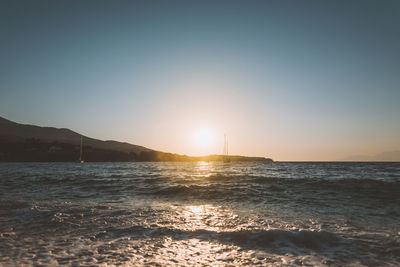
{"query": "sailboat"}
[(81, 151), (225, 157)]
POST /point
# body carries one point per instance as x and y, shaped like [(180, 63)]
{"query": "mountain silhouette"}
[(12, 131), (30, 143)]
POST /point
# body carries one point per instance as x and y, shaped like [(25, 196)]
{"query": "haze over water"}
[(200, 213)]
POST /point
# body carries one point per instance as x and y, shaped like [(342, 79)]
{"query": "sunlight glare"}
[(196, 209), (204, 138)]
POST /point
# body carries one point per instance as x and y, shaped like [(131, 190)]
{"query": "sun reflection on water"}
[(196, 209), (196, 252), (197, 244), (204, 217), (203, 169)]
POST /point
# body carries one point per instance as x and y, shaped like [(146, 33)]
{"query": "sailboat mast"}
[(224, 152), (225, 145), (80, 155), (225, 157)]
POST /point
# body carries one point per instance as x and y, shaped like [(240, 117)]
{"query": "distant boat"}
[(225, 154), (81, 151)]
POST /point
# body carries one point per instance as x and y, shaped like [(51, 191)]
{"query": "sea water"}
[(200, 213)]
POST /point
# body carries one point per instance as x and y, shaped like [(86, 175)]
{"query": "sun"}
[(204, 138)]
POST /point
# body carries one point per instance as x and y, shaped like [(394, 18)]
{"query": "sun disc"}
[(203, 138)]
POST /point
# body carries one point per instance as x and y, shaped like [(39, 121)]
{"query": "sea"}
[(200, 214)]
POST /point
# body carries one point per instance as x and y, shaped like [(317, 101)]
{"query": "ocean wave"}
[(272, 185), (249, 239)]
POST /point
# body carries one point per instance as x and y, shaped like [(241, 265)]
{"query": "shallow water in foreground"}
[(200, 214)]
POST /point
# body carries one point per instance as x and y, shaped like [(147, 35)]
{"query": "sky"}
[(291, 80)]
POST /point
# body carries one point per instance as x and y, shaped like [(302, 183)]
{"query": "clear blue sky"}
[(295, 80)]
